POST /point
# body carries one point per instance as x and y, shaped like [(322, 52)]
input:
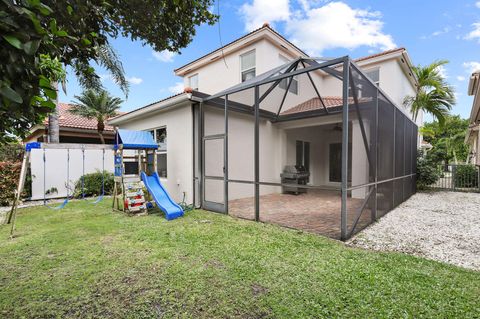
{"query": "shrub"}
[(93, 184), (12, 152), (466, 176), (9, 174), (427, 173)]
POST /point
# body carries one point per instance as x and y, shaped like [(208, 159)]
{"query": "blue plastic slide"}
[(171, 209)]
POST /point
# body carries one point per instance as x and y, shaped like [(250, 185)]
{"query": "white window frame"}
[(284, 60), (190, 81), (164, 150), (254, 68), (372, 70)]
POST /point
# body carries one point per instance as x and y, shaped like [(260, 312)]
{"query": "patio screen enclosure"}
[(326, 117)]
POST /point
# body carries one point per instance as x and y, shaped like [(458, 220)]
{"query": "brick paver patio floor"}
[(317, 211)]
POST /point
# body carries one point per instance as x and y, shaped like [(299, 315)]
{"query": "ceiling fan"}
[(337, 128)]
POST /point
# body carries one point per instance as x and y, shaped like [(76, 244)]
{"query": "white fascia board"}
[(407, 67), (263, 34), (171, 102)]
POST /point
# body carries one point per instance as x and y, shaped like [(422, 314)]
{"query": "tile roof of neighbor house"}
[(67, 119)]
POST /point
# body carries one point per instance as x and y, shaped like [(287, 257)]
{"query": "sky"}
[(429, 30)]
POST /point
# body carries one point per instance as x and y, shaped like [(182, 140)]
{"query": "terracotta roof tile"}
[(376, 55), (314, 104), (67, 119)]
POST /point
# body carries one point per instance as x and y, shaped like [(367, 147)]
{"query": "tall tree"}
[(77, 33), (99, 105), (58, 75), (433, 94), (447, 140)]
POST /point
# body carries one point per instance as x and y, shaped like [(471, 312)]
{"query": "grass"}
[(85, 261)]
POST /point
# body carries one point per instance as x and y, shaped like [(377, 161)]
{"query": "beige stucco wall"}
[(178, 121)]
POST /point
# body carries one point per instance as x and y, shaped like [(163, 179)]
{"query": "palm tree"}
[(433, 94), (88, 79), (99, 105)]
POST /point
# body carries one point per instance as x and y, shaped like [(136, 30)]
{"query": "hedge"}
[(466, 176), (93, 184), (9, 174), (427, 173)]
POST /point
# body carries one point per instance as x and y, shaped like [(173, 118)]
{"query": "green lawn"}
[(85, 261)]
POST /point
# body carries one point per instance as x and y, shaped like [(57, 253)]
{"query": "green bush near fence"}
[(93, 184), (466, 176), (427, 173)]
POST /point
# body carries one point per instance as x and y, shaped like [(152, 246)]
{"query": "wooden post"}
[(10, 218)]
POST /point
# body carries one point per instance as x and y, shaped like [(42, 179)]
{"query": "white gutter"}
[(163, 104)]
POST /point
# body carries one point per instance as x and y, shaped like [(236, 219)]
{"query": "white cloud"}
[(261, 11), (442, 71), (177, 88), (316, 26), (460, 78), (105, 77), (164, 56), (471, 66), (337, 25), (440, 32), (475, 33), (477, 4), (134, 80)]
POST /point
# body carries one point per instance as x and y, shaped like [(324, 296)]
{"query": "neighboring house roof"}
[(68, 120), (474, 89), (474, 121)]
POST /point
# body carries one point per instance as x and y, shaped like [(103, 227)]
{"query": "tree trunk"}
[(101, 137), (53, 127), (100, 128)]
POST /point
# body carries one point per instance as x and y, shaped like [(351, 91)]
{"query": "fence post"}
[(454, 171)]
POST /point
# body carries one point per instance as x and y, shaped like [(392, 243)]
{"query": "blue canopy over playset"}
[(146, 157)]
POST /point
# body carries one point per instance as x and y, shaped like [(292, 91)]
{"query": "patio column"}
[(343, 217), (257, 155)]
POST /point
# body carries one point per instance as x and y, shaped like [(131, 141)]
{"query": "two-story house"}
[(192, 129)]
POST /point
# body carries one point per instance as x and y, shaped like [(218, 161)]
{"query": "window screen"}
[(284, 83), (247, 65), (193, 82), (374, 75)]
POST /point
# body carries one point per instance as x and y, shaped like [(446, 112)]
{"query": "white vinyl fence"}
[(56, 169)]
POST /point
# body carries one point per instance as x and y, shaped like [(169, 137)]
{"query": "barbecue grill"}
[(294, 175)]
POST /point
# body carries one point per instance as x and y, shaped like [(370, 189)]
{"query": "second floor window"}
[(247, 65), (284, 83), (374, 75), (193, 82)]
